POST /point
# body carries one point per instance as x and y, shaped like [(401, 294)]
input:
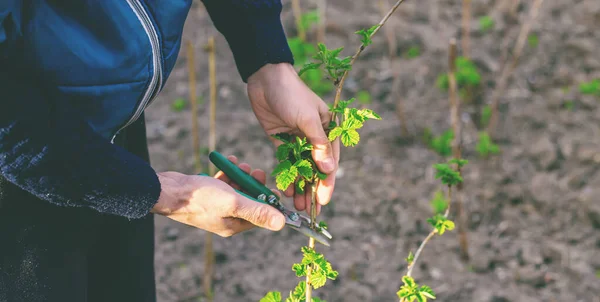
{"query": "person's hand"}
[(283, 103), (212, 204)]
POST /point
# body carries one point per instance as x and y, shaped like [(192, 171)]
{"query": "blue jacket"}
[(75, 72)]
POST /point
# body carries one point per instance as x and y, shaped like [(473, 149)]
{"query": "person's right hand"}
[(212, 204)]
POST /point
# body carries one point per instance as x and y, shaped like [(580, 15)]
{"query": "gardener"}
[(76, 189)]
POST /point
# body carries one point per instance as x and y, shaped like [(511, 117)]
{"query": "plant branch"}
[(428, 238), (297, 11), (322, 8), (340, 84), (311, 241), (508, 68), (209, 257), (466, 30), (194, 105), (456, 148)]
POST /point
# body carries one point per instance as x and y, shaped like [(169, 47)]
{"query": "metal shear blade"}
[(302, 225)]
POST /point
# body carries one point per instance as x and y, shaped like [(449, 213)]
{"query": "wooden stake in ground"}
[(209, 257), (466, 28), (322, 7), (456, 149), (194, 106), (509, 67), (297, 11)]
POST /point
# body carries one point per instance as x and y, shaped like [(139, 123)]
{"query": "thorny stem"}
[(428, 238), (209, 258), (456, 147), (466, 22), (311, 241), (194, 106), (508, 68), (340, 83)]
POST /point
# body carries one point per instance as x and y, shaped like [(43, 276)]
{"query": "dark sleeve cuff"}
[(254, 32)]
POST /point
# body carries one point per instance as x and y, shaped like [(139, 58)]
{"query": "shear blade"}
[(310, 233)]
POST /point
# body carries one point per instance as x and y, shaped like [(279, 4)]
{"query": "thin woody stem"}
[(428, 238), (340, 84), (311, 241)]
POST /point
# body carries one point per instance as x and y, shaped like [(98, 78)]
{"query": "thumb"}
[(261, 215), (322, 152)]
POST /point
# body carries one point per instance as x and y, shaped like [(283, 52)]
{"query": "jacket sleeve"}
[(55, 155), (253, 30)]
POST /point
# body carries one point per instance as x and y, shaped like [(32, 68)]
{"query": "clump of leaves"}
[(441, 223), (352, 120), (467, 75), (590, 88), (179, 105), (366, 34), (321, 271), (439, 203), (486, 23), (314, 79), (441, 144), (411, 291), (364, 97), (330, 60), (533, 40), (485, 147), (413, 52), (308, 19)]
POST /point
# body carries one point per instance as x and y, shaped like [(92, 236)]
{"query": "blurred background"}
[(530, 196)]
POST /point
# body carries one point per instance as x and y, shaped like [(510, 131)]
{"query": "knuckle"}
[(260, 216)]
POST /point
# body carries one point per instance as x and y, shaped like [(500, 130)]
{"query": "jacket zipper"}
[(157, 77)]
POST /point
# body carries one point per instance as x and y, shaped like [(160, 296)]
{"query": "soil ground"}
[(533, 210)]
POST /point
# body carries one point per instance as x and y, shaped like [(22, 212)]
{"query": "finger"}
[(322, 150), (289, 192), (259, 214), (259, 175), (221, 176), (325, 187), (300, 202)]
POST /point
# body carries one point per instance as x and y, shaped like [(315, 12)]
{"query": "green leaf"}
[(335, 132), (305, 168), (413, 52), (284, 137), (533, 40), (282, 166), (300, 291), (299, 269), (366, 35), (300, 184), (318, 280), (427, 291), (179, 105), (287, 177), (590, 88), (441, 223), (485, 147), (486, 23), (459, 162), (272, 297), (309, 66), (410, 258), (486, 114), (409, 281), (283, 152), (368, 114), (364, 97), (350, 137), (321, 175), (352, 120), (447, 175), (323, 224), (439, 203), (443, 144)]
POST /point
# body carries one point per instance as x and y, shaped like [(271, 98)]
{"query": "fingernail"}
[(277, 222), (328, 165)]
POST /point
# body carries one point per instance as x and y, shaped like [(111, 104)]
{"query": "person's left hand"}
[(283, 103)]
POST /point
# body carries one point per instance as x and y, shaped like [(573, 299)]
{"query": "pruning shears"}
[(261, 193)]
